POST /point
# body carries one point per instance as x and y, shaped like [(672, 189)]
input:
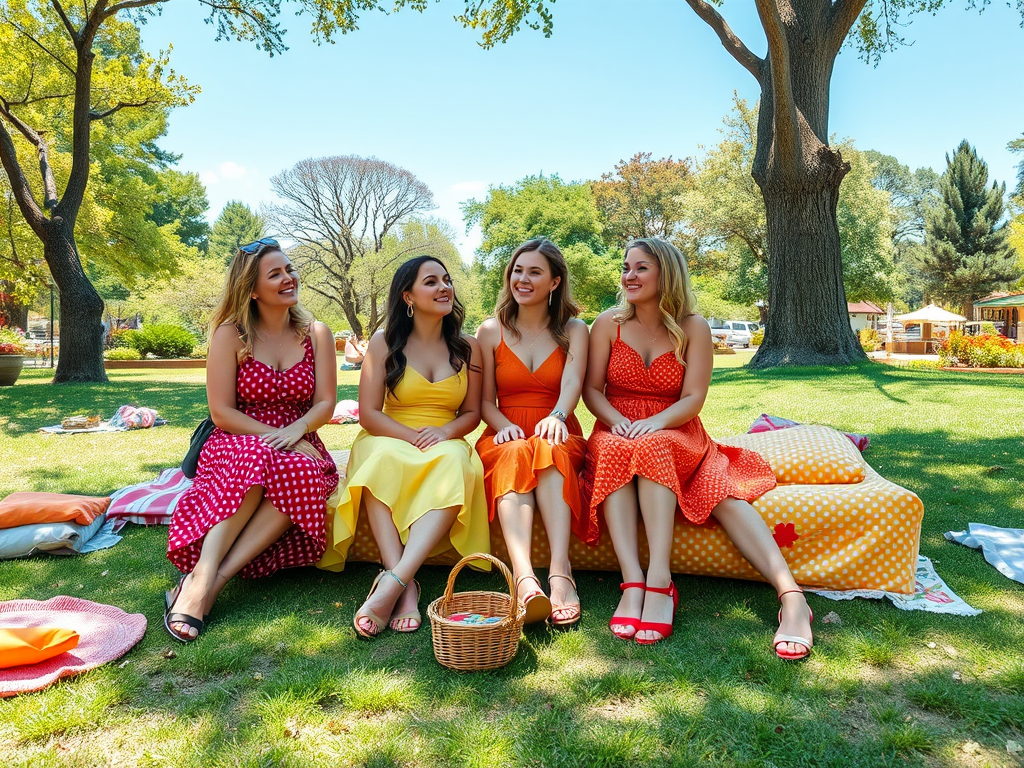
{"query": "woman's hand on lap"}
[(621, 428), (508, 434), (552, 429), (644, 427), (284, 438), (427, 437)]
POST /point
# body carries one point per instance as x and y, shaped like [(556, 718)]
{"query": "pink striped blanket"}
[(149, 503)]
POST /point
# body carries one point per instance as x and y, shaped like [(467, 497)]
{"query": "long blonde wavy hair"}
[(677, 299), (562, 307), (238, 308)]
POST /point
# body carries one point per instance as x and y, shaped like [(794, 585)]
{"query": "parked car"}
[(719, 333), (740, 332)]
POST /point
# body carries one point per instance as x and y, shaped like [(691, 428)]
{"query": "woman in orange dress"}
[(650, 367), (535, 357)]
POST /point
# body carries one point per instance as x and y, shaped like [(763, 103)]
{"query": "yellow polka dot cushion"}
[(809, 453), (838, 535)]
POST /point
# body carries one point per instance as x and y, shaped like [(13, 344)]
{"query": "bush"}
[(988, 351), (869, 340), (11, 343), (122, 353), (164, 341), (121, 338), (988, 328), (200, 352), (757, 338)]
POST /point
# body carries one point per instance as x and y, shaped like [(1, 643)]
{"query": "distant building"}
[(1005, 310), (863, 314)]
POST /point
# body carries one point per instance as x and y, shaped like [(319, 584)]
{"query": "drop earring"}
[(408, 311), (549, 298)]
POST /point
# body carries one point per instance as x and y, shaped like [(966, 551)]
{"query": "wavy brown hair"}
[(562, 307), (398, 326), (238, 308), (677, 300)]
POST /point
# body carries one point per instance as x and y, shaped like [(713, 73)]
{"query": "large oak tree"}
[(797, 171)]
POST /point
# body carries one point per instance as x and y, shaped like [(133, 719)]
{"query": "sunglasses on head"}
[(261, 244)]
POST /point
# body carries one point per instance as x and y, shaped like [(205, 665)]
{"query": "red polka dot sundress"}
[(699, 471), (229, 465)]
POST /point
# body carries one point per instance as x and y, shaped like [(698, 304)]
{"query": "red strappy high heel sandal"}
[(655, 626), (626, 621), (804, 641)]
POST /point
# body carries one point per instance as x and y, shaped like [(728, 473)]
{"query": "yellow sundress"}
[(409, 481)]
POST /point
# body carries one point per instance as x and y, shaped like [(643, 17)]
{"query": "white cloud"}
[(209, 178), (468, 188), (230, 170)]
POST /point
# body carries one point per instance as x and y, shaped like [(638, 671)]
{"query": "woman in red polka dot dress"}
[(647, 379), (258, 502)]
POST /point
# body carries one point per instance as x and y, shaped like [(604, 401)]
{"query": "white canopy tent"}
[(931, 314)]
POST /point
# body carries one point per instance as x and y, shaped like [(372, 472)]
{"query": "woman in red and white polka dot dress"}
[(258, 502), (648, 375)]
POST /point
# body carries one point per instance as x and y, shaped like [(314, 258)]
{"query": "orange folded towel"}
[(30, 645), (30, 508)]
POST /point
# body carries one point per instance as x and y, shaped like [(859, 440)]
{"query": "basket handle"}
[(502, 568)]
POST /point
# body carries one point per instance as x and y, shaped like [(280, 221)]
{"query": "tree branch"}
[(42, 47), (841, 20), (64, 18), (117, 108), (19, 184), (787, 130), (730, 40), (49, 183), (125, 5)]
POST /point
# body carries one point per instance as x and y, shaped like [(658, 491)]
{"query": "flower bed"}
[(987, 351)]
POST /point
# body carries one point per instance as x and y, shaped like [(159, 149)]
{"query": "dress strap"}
[(501, 330), (618, 332)]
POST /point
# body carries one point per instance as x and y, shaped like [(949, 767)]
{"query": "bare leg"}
[(751, 536), (515, 512), (658, 507), (424, 535), (194, 597), (389, 542), (621, 514), (266, 526), (557, 518)]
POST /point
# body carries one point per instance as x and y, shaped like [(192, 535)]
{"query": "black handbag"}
[(190, 464)]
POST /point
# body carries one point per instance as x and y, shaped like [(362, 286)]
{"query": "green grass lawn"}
[(280, 678)]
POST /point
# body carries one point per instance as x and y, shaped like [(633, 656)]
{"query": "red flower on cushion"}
[(785, 535)]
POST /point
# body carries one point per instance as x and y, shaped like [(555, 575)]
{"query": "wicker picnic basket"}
[(474, 647), (80, 422)]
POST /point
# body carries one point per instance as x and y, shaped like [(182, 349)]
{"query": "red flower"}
[(785, 535)]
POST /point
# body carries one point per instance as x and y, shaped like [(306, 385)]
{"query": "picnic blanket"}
[(930, 594), (1003, 548), (126, 417), (345, 412), (766, 423), (151, 502)]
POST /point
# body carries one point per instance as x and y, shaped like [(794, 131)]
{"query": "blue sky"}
[(616, 78)]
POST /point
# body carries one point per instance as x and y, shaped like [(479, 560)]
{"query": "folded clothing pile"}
[(58, 523)]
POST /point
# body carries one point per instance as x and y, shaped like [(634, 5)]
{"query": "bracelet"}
[(558, 415)]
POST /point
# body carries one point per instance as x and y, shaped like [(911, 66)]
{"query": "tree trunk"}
[(81, 309), (799, 176)]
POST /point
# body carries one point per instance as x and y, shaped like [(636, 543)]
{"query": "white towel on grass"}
[(1003, 548)]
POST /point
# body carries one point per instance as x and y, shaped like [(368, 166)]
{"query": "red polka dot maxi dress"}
[(699, 471), (229, 465)]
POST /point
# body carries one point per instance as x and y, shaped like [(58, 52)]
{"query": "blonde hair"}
[(237, 307), (677, 301), (561, 308)]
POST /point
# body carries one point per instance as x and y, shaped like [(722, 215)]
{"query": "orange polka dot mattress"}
[(839, 524)]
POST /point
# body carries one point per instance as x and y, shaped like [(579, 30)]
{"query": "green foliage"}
[(967, 253), (122, 353), (237, 225), (869, 339), (164, 340), (729, 227), (985, 351), (11, 343), (123, 338), (544, 206), (185, 298), (643, 198), (182, 202)]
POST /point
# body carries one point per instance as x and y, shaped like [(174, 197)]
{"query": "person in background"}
[(355, 351)]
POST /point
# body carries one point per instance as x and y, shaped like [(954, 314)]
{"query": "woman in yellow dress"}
[(419, 481)]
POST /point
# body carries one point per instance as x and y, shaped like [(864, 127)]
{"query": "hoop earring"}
[(408, 311)]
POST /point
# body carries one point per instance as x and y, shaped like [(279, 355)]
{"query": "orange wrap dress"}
[(699, 471), (525, 398)]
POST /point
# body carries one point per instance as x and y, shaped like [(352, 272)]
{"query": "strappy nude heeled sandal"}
[(413, 615), (575, 611), (537, 604), (806, 642), (364, 613)]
